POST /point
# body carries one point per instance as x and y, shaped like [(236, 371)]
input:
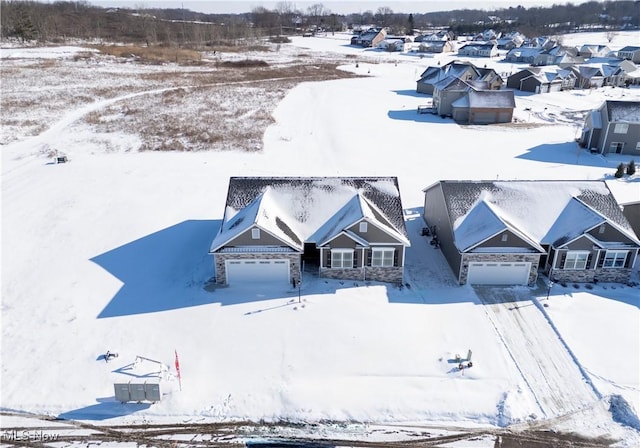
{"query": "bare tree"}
[(382, 15)]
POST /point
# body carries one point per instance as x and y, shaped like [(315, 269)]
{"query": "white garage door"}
[(253, 271), (498, 273)]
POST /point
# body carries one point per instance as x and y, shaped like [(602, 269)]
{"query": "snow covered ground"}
[(109, 252)]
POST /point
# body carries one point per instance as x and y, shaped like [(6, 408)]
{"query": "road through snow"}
[(548, 368)]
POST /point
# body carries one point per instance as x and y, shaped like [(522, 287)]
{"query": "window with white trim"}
[(602, 228), (341, 258), (576, 260), (382, 256), (363, 226), (615, 258), (621, 128), (638, 146), (504, 237), (616, 147), (255, 233)]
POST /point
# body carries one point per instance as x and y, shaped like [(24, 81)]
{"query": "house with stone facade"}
[(276, 228), (508, 232)]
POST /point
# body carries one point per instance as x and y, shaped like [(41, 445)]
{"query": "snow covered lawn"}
[(109, 252)]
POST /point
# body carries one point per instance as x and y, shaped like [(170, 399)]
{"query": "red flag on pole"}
[(178, 370)]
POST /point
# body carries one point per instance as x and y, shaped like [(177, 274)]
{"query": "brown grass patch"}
[(152, 55), (245, 63)]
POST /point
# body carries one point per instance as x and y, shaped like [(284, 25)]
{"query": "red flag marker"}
[(178, 370)]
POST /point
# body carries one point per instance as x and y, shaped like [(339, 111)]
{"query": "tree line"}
[(61, 21)]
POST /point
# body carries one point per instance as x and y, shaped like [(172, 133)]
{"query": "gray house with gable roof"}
[(613, 128), (507, 232), (343, 228)]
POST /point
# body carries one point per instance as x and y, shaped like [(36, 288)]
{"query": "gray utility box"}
[(125, 392)]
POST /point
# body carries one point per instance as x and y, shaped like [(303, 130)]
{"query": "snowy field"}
[(109, 252)]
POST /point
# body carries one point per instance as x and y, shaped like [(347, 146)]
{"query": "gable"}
[(545, 212), (297, 210)]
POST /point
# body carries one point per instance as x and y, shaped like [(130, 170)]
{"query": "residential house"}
[(524, 55), (613, 128), (395, 44), (344, 228), (484, 107), (479, 49), (436, 46), (588, 77), (491, 77), (369, 38), (507, 232), (450, 89), (458, 69), (510, 41), (594, 51), (558, 55), (631, 53), (536, 80)]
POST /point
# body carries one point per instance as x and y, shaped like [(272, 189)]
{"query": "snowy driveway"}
[(547, 366)]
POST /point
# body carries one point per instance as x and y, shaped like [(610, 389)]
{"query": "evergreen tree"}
[(412, 25), (631, 168), (23, 26), (620, 171)]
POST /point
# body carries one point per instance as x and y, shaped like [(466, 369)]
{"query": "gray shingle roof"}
[(534, 206), (623, 111), (308, 195)]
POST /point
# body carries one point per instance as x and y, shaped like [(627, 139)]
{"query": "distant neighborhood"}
[(471, 93)]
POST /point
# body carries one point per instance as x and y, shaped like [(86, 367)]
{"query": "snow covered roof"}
[(298, 210), (623, 111), (482, 222), (452, 69), (546, 212), (492, 99)]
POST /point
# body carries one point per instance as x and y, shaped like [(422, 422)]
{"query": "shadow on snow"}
[(570, 153), (413, 115), (162, 271), (105, 409)]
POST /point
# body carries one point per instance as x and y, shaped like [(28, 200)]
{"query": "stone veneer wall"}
[(342, 274), (221, 272), (389, 275), (378, 274), (618, 275), (534, 259)]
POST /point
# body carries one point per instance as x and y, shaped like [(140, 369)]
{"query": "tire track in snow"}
[(557, 381)]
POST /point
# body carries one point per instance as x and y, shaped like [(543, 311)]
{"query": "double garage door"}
[(498, 273), (257, 271)]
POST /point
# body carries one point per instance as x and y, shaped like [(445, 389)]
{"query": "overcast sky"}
[(337, 6)]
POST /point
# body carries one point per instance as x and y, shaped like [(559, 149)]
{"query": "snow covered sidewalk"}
[(548, 368)]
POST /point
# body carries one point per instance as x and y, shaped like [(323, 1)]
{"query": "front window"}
[(615, 258), (576, 260), (255, 233), (382, 257), (342, 258), (621, 128), (616, 147)]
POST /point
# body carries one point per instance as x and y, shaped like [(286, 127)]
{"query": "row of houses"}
[(474, 95), (490, 232), (566, 77)]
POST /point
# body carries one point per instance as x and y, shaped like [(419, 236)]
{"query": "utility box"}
[(122, 392), (136, 392), (152, 391), (125, 392)]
